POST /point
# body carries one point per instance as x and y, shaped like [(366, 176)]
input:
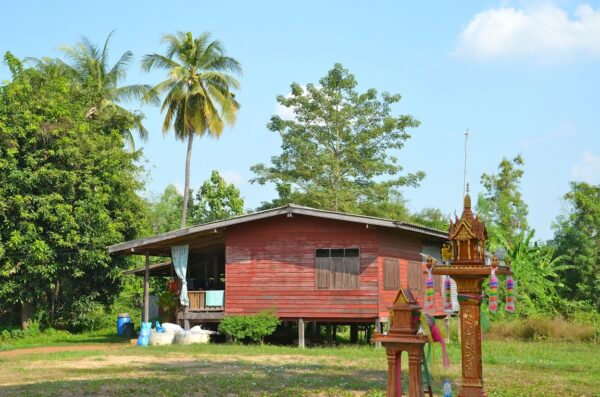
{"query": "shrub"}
[(87, 315), (252, 327)]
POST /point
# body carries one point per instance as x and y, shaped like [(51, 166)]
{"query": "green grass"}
[(510, 369), (53, 337)]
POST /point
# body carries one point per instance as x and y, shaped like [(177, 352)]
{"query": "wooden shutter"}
[(391, 274), (323, 269), (351, 268), (415, 277), (337, 269)]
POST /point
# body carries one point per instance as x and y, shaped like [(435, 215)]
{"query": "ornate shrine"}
[(467, 267), (402, 336)]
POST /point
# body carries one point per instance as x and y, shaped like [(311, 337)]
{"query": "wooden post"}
[(377, 330), (328, 333), (146, 313), (313, 326), (334, 334), (301, 333), (186, 318), (415, 381), (353, 333), (447, 328)]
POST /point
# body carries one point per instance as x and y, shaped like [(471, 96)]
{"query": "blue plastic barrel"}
[(123, 318)]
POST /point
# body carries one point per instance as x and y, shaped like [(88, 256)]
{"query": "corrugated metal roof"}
[(135, 246)]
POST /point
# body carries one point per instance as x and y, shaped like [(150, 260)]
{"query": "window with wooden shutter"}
[(415, 277), (323, 268), (337, 268), (391, 274)]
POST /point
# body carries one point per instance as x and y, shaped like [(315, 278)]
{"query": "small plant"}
[(252, 327)]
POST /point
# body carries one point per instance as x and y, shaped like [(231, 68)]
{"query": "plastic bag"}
[(144, 337), (158, 328)]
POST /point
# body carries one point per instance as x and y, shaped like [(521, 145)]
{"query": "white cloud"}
[(587, 169), (545, 33), (234, 177)]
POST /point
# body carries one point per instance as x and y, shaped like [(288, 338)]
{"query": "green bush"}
[(88, 315), (13, 333), (252, 327)]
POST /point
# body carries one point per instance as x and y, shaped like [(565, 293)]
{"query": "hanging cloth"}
[(493, 291), (179, 254), (510, 295)]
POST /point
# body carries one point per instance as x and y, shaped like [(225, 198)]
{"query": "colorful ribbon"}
[(448, 295), (493, 292), (429, 292), (510, 295)]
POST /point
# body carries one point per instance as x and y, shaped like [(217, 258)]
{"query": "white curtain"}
[(179, 253)]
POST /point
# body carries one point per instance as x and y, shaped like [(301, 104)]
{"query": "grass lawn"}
[(510, 369)]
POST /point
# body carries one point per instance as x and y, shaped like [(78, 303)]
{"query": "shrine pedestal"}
[(395, 346)]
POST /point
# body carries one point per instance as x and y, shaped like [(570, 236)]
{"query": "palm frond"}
[(157, 61)]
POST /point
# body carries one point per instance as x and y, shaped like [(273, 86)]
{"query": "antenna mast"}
[(465, 170)]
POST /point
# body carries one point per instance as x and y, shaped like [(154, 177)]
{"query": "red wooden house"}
[(307, 264)]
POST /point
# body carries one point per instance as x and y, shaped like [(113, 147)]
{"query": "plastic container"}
[(161, 338), (122, 319), (128, 330), (188, 338), (447, 388)]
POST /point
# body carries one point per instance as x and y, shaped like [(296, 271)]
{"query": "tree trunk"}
[(26, 314), (54, 300), (186, 188)]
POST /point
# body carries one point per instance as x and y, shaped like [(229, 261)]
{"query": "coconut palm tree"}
[(199, 98), (87, 65)]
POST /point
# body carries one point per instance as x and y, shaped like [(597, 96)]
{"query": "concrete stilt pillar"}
[(301, 333), (378, 330)]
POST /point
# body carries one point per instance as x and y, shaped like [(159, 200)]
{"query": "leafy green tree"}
[(339, 147), (536, 270), (199, 98), (216, 199), (577, 241), (164, 214), (432, 217), (67, 190), (502, 206), (87, 65)]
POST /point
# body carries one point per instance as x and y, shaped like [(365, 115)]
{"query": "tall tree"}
[(216, 199), (67, 190), (88, 65), (502, 206), (165, 212), (199, 96), (432, 217), (577, 241), (339, 146)]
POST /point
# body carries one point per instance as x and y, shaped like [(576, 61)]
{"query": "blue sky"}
[(521, 76)]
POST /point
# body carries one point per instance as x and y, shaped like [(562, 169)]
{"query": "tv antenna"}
[(465, 170)]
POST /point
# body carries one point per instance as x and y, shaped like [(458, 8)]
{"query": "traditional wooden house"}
[(307, 264)]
